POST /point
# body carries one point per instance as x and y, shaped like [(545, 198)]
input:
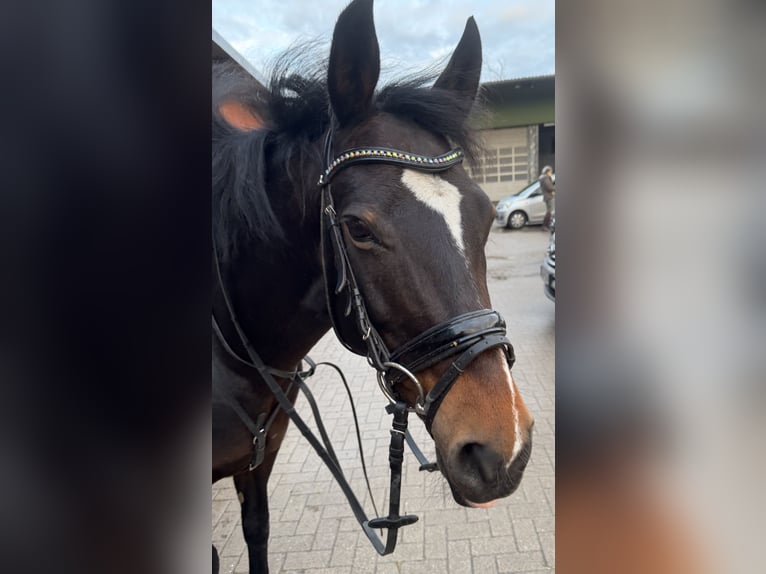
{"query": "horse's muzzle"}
[(479, 475)]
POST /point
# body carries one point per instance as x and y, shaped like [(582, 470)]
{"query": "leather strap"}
[(394, 520), (449, 377), (424, 462), (371, 343), (228, 348), (446, 340)]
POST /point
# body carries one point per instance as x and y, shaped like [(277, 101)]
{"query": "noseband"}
[(463, 337)]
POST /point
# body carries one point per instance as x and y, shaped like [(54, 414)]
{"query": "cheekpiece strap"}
[(392, 157)]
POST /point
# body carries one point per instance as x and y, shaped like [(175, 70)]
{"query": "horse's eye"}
[(359, 231)]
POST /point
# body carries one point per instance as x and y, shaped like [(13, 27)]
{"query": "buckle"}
[(259, 444), (420, 406)]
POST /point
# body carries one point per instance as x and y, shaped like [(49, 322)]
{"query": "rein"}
[(396, 451)]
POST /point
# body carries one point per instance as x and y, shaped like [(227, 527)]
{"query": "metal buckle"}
[(420, 405), (259, 448)]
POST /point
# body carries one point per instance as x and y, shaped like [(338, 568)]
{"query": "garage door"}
[(504, 169)]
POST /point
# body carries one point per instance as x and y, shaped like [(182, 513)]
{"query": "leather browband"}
[(391, 157)]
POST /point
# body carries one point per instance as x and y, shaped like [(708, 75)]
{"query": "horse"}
[(384, 243)]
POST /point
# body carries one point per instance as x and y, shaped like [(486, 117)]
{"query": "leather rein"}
[(465, 336)]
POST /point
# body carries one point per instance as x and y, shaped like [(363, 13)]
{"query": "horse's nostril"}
[(486, 461)]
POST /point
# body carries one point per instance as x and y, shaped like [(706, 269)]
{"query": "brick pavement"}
[(313, 530)]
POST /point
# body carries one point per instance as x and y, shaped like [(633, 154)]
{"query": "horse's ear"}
[(464, 69), (354, 62), (239, 115)]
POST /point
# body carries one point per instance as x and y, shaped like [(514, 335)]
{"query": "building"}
[(518, 133), (222, 51)]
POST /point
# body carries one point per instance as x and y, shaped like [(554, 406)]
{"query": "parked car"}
[(548, 267), (525, 207)]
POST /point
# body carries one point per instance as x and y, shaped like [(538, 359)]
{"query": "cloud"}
[(518, 36)]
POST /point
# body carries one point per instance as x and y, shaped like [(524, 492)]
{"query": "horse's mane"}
[(295, 106)]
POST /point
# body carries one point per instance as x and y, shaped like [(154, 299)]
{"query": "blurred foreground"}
[(661, 316)]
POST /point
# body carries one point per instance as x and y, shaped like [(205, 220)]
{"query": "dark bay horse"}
[(412, 231)]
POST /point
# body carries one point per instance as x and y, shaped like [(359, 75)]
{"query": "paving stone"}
[(548, 545), (347, 524), (309, 520), (520, 562), (499, 521), (292, 543), (389, 568), (412, 533), (276, 560), (467, 530), (227, 564), (430, 567), (242, 565), (330, 570), (365, 559), (484, 565), (345, 548), (326, 534), (234, 546), (526, 535), (459, 557), (493, 545), (294, 508), (304, 560), (436, 542), (279, 528), (545, 524)]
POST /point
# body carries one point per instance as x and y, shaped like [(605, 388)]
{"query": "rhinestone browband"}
[(391, 156)]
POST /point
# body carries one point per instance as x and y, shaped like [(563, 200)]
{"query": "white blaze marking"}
[(441, 196), (517, 442)]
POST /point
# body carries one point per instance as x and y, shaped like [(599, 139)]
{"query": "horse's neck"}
[(282, 315), (279, 298)]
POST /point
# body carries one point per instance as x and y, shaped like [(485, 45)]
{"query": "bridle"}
[(465, 336)]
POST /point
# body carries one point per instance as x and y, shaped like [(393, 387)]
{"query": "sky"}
[(518, 36)]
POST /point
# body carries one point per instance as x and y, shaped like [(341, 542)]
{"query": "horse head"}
[(414, 239)]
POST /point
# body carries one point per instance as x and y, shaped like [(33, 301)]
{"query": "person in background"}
[(549, 193)]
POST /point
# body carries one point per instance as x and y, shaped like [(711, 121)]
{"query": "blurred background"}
[(661, 308)]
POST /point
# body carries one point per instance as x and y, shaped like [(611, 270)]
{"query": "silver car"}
[(525, 207)]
